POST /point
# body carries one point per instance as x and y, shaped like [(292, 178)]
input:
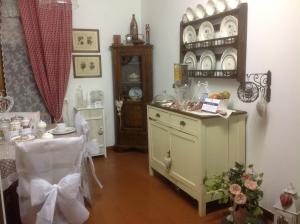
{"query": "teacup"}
[(47, 136), (60, 127), (25, 123)]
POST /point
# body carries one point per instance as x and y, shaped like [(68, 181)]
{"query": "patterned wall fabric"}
[(19, 79)]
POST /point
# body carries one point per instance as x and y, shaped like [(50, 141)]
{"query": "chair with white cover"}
[(49, 173), (83, 129)]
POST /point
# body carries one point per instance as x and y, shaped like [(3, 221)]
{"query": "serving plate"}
[(190, 14), (190, 60), (22, 138), (210, 8), (189, 35), (221, 5), (229, 26), (206, 31), (135, 93), (65, 131), (200, 11), (207, 61), (229, 59)]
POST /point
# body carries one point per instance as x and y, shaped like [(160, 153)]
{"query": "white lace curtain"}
[(9, 9)]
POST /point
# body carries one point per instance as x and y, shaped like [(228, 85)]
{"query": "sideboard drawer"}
[(158, 115), (92, 113), (184, 123)]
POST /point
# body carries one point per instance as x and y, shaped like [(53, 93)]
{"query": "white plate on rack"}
[(210, 8), (229, 26), (229, 59), (190, 14), (190, 60), (232, 4), (189, 35), (206, 31), (185, 18), (200, 11), (221, 5), (207, 61), (65, 131)]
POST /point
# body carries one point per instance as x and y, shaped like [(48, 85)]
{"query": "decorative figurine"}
[(287, 208)]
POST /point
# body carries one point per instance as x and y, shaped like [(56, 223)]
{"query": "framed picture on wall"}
[(86, 41), (87, 66)]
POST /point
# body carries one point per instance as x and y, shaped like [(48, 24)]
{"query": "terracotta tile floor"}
[(132, 196)]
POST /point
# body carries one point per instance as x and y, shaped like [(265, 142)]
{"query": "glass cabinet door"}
[(131, 80)]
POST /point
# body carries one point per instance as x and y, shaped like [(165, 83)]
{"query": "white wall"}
[(273, 44), (110, 17)]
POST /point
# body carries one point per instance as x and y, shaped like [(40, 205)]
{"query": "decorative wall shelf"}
[(251, 85), (229, 74), (218, 45), (218, 42)]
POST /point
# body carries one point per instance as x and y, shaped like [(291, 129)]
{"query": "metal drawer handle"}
[(157, 115), (182, 123), (100, 132), (151, 119)]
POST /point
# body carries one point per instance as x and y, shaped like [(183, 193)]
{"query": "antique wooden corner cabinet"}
[(132, 75)]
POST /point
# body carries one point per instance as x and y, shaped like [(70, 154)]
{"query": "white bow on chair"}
[(64, 193)]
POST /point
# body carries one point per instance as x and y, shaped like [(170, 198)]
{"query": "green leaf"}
[(257, 211), (261, 175)]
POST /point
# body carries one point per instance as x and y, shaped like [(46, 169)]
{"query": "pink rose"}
[(250, 184), (247, 176), (235, 189), (240, 199)]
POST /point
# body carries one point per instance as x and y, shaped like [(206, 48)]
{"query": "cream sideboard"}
[(186, 147), (95, 118)]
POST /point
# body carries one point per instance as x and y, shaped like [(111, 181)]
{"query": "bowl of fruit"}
[(223, 97)]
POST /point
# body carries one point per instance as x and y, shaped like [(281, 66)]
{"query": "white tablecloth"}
[(7, 161), (7, 164)]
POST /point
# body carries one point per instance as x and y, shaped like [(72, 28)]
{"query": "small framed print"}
[(87, 66), (86, 41)]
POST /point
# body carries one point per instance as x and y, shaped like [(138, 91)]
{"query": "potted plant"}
[(241, 187)]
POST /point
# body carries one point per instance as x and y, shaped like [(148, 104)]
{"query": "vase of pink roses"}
[(241, 187)]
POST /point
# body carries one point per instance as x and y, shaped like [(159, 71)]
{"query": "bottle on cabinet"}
[(134, 28)]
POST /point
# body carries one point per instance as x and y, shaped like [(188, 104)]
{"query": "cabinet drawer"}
[(92, 113), (184, 123), (158, 115)]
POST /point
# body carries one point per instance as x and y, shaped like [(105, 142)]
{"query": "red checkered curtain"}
[(48, 34)]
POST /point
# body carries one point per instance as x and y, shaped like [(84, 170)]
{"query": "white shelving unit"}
[(95, 118)]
